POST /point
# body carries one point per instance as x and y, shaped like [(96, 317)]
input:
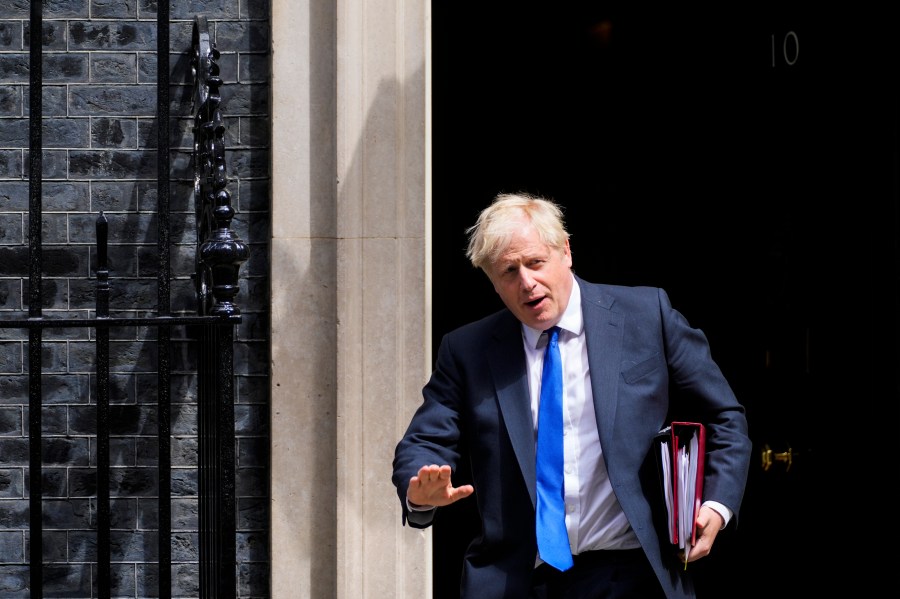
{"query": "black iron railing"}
[(219, 255)]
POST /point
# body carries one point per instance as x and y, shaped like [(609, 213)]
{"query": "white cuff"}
[(418, 508), (718, 507)]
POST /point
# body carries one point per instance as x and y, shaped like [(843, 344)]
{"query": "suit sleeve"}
[(700, 392), (433, 435)]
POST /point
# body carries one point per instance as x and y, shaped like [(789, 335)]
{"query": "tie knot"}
[(552, 335)]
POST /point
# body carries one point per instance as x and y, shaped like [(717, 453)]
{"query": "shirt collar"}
[(572, 319)]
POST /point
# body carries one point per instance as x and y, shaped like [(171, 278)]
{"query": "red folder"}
[(682, 451)]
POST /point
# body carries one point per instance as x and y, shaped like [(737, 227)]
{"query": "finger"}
[(429, 473), (464, 491)]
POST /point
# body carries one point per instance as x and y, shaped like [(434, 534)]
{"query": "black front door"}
[(747, 161)]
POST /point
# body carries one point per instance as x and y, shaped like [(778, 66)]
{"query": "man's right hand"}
[(432, 487)]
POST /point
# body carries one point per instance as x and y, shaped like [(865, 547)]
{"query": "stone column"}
[(383, 309), (350, 281)]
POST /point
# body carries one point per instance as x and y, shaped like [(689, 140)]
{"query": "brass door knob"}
[(769, 457)]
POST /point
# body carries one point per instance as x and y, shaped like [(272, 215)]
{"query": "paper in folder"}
[(682, 449)]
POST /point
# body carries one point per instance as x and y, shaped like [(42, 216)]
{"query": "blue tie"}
[(552, 538)]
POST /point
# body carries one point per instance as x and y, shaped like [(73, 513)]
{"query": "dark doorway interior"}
[(747, 162)]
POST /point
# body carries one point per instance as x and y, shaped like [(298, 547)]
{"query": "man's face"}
[(533, 279)]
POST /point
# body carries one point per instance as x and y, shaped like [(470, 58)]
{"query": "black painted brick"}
[(11, 100), (131, 546), (184, 419), (11, 229), (14, 67), (114, 133), (71, 388), (11, 163), (258, 9), (54, 163), (245, 99), (66, 196), (253, 511), (52, 10), (11, 421), (107, 35), (253, 579), (184, 482), (108, 62), (10, 299), (251, 420), (54, 357), (107, 9), (123, 513), (112, 100), (212, 9), (242, 36), (11, 35), (252, 452), (54, 481), (123, 228), (65, 68), (147, 581), (108, 164), (70, 580), (55, 547), (53, 35), (228, 68), (53, 101), (15, 580), (122, 452), (65, 451), (185, 514), (54, 297), (69, 512), (114, 196), (13, 512), (54, 228), (252, 547), (147, 65), (13, 389), (184, 547), (13, 133), (59, 261), (12, 483), (254, 326), (55, 419), (11, 357), (12, 547)]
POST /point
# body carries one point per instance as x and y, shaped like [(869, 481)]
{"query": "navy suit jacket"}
[(647, 367)]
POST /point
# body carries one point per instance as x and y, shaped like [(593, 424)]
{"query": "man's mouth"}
[(533, 303)]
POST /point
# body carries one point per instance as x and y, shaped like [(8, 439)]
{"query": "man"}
[(630, 363)]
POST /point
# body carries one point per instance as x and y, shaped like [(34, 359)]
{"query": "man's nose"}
[(526, 279)]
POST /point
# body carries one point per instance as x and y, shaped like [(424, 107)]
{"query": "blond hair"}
[(489, 237)]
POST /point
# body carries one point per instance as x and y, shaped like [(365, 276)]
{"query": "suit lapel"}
[(507, 363), (603, 329)]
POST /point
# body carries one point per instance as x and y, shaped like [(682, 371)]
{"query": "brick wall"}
[(99, 139)]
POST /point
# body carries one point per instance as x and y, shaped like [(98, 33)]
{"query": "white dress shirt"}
[(594, 518)]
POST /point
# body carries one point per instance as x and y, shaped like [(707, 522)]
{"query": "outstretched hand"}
[(432, 487)]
